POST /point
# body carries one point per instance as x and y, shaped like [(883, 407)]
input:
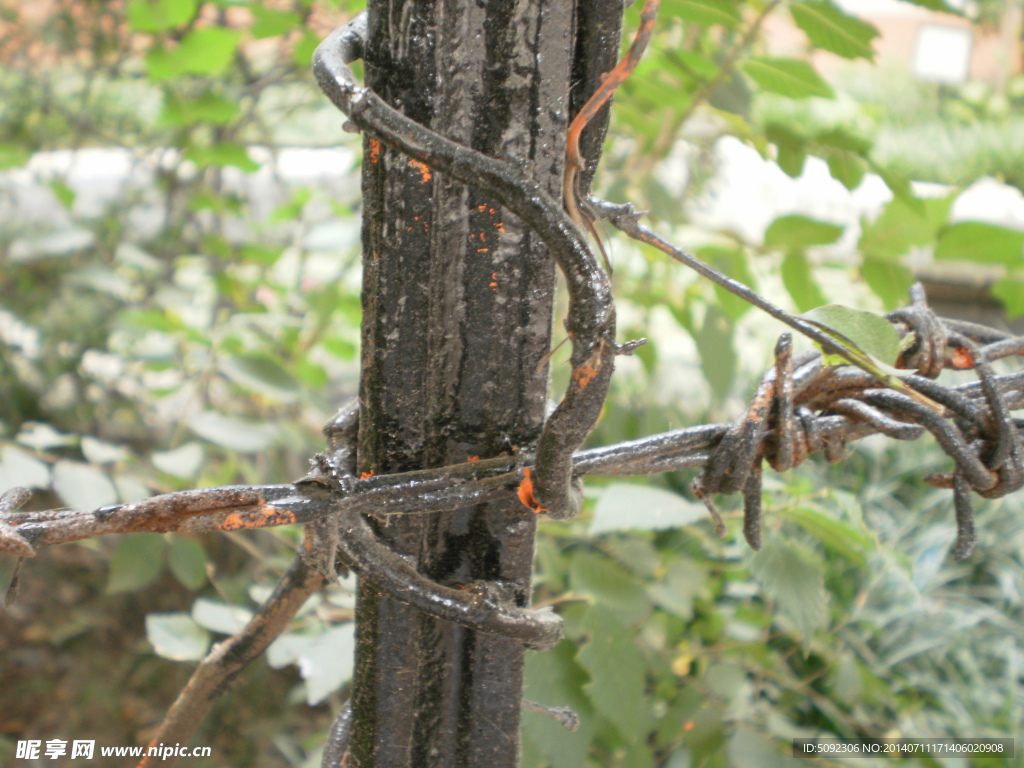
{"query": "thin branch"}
[(627, 219), (222, 666), (574, 163), (729, 63)]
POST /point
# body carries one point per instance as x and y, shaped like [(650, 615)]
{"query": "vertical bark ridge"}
[(457, 297)]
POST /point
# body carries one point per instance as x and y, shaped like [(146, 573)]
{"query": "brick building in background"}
[(922, 41)]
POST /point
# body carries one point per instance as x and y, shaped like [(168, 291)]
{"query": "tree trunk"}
[(457, 298)]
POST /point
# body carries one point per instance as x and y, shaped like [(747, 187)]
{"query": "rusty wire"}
[(785, 422)]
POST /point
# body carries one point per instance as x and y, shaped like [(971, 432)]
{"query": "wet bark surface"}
[(457, 299)]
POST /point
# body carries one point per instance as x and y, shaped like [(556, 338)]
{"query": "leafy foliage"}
[(852, 621)]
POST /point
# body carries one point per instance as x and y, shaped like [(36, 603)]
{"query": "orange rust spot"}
[(482, 250), (962, 359), (500, 227), (374, 151), (232, 522), (483, 237), (494, 280), (491, 211), (526, 493), (473, 458), (272, 516), (482, 207), (365, 475), (688, 725), (584, 374), (422, 168)]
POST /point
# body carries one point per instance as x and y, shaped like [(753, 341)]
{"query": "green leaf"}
[(840, 537), (791, 148), (1010, 291), (311, 374), (42, 436), (262, 374), (617, 674), (870, 332), (291, 209), (148, 320), (846, 684), (714, 340), (888, 280), (325, 660), (187, 561), (19, 468), (693, 63), (800, 283), (302, 51), (220, 155), (343, 349), (555, 679), (270, 22), (259, 253), (902, 225), (846, 168), (789, 575), (787, 77), (705, 733), (65, 195), (684, 582), (205, 51), (101, 452), (82, 485), (175, 636), (184, 461), (796, 231), (982, 243), (234, 434), (899, 184), (707, 12), (829, 28), (13, 156), (610, 584), (840, 137), (160, 15), (220, 617), (131, 489), (207, 107), (209, 50), (934, 5), (135, 562), (733, 262), (748, 747), (631, 506)]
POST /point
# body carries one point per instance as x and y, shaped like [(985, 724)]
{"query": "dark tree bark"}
[(457, 298)]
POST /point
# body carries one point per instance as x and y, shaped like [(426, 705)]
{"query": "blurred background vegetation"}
[(179, 307)]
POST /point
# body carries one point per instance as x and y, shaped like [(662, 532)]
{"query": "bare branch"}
[(221, 667)]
